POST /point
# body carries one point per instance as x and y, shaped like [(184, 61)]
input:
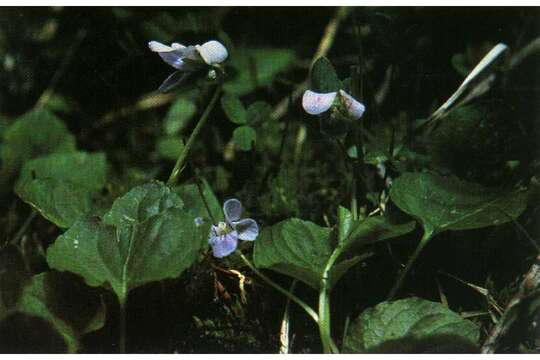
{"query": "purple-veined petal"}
[(315, 103), (223, 245), (172, 58), (232, 209), (247, 229), (212, 52), (354, 108)]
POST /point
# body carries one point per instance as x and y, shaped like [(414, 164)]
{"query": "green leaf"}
[(62, 186), (193, 201), (410, 325), (170, 147), (258, 112), (296, 248), (234, 109), (256, 68), (446, 203), (70, 307), (244, 137), (375, 228), (179, 115), (145, 237), (324, 78), (36, 133)]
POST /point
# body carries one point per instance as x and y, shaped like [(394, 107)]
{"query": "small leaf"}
[(170, 147), (145, 237), (411, 325), (234, 109), (244, 137), (324, 78), (258, 112), (447, 203), (61, 186), (256, 68), (179, 115)]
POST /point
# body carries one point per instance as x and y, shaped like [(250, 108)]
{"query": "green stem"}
[(428, 234), (325, 332), (122, 339), (178, 167), (291, 296)]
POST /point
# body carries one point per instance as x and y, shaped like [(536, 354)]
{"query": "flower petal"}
[(232, 209), (172, 58), (212, 52), (177, 46), (223, 245), (156, 46), (354, 108), (172, 81), (247, 229), (315, 103)]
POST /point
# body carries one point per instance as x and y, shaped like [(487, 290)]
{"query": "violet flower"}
[(188, 59), (318, 103), (224, 236)]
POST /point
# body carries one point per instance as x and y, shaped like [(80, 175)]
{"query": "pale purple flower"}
[(187, 59), (318, 103), (224, 236)]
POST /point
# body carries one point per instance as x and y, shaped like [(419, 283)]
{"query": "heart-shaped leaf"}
[(194, 201), (410, 325), (447, 203), (324, 78), (62, 186), (68, 306), (145, 237)]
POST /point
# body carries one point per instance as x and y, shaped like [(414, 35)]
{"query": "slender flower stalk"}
[(180, 162)]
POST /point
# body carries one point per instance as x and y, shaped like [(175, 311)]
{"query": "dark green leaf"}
[(193, 201), (375, 228), (244, 137), (145, 237), (234, 109), (258, 112), (36, 133), (446, 203), (324, 78), (70, 307), (256, 67), (62, 186), (410, 325)]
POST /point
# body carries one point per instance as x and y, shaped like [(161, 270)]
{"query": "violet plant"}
[(155, 230)]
